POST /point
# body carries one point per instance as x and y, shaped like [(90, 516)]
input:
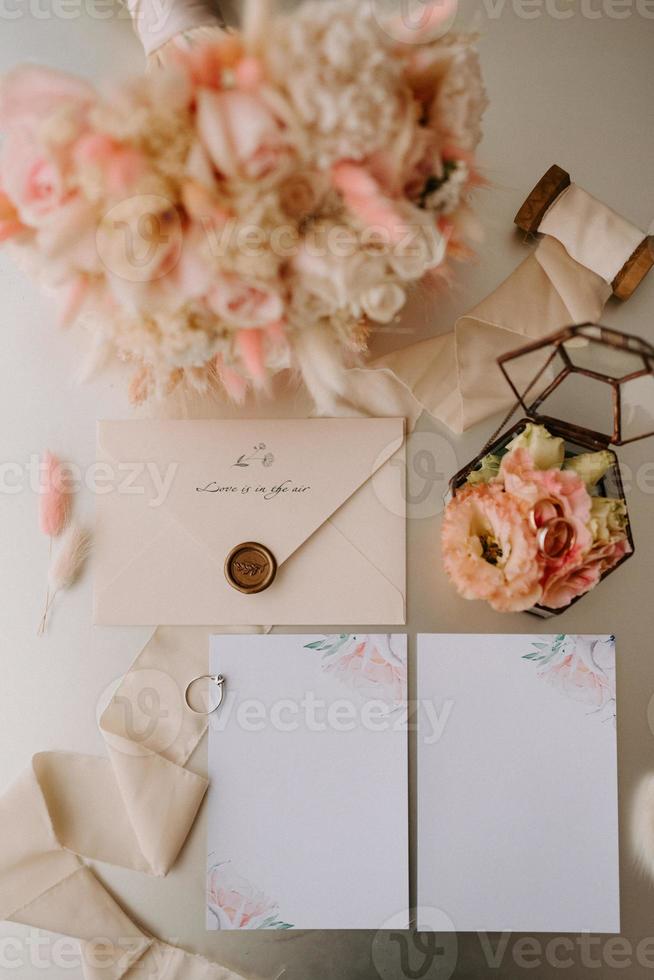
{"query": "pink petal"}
[(215, 133), (365, 199)]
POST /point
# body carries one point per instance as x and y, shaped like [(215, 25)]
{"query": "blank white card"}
[(517, 783), (308, 813)]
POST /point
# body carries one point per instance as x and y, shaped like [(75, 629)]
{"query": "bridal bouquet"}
[(272, 191), (529, 528)]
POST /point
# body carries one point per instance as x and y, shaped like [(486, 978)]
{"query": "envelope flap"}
[(227, 482)]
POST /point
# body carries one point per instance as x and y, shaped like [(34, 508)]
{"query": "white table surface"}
[(577, 91)]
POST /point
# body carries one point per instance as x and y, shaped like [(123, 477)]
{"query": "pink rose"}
[(33, 102), (490, 550), (32, 180), (241, 135)]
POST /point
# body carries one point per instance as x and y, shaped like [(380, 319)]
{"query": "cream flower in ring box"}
[(489, 550)]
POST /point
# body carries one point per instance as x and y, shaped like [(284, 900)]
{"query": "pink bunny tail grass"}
[(54, 504), (365, 199), (250, 346), (67, 566)]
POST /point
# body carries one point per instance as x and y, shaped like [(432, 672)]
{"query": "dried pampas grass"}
[(54, 504), (67, 566), (55, 501)]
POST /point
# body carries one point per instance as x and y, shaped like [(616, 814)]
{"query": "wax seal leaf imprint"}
[(250, 568)]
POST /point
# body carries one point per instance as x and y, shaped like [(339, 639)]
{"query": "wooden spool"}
[(547, 190)]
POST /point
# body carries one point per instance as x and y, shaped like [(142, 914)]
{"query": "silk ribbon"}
[(454, 377), (133, 808)]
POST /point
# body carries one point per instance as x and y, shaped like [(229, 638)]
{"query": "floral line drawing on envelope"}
[(236, 903), (581, 668), (373, 665)]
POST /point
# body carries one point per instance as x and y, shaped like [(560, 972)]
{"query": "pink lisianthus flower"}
[(490, 550), (522, 479), (582, 573)]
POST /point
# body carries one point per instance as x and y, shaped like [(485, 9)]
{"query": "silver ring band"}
[(218, 680)]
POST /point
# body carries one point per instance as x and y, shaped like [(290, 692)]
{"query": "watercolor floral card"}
[(308, 760), (517, 790)]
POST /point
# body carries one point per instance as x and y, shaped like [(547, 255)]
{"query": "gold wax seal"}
[(250, 568)]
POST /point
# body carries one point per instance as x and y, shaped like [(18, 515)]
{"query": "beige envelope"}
[(325, 496)]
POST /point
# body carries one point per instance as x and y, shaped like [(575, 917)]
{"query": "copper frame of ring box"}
[(607, 357)]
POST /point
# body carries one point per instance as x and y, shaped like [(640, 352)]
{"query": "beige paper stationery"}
[(324, 497), (518, 791), (331, 735)]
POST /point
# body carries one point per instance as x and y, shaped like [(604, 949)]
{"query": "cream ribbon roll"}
[(454, 377)]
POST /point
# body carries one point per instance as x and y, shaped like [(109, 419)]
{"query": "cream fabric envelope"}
[(326, 496)]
